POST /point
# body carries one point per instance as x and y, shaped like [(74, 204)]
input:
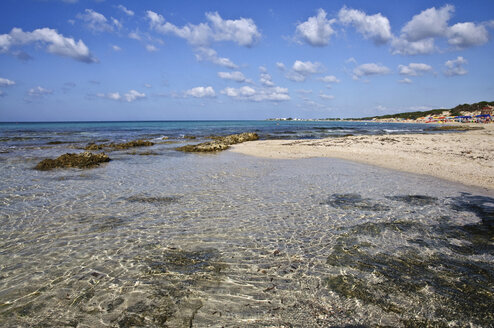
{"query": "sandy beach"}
[(464, 157)]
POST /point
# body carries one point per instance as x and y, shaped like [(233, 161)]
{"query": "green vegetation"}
[(456, 111)]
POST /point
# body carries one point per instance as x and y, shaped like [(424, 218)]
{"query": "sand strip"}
[(465, 157)]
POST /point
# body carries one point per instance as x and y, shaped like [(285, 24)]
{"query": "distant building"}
[(487, 110)]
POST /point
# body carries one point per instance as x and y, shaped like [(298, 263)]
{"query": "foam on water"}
[(227, 240)]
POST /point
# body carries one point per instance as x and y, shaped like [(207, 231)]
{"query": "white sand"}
[(465, 157)]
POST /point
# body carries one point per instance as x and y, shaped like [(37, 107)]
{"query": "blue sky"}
[(185, 60)]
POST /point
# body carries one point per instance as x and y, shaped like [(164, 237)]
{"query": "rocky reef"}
[(220, 143), (83, 161), (120, 146)]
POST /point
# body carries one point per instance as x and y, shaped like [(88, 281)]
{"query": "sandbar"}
[(465, 157)]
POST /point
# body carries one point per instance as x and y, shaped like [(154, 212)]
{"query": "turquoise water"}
[(161, 238)]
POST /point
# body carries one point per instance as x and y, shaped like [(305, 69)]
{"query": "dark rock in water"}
[(154, 200), (82, 161), (189, 137), (482, 206), (354, 202), (416, 200), (120, 146), (220, 143)]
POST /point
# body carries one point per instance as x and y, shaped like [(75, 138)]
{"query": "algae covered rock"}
[(120, 146), (82, 161), (220, 143)]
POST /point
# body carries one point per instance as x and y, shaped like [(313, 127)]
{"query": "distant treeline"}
[(456, 111)]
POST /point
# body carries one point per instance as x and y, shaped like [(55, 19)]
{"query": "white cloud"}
[(6, 82), (116, 48), (114, 96), (317, 30), (125, 10), (281, 66), (208, 54), (405, 81), (135, 36), (151, 48), (370, 69), (201, 92), (304, 91), (266, 80), (116, 22), (375, 27), (130, 96), (464, 35), (414, 69), (39, 92), (95, 21), (455, 67), (329, 79), (302, 70), (251, 94), (402, 46), (234, 76), (325, 96), (147, 85), (242, 31), (56, 43), (429, 23), (306, 68), (133, 95)]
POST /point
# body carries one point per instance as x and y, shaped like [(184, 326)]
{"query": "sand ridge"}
[(464, 157)]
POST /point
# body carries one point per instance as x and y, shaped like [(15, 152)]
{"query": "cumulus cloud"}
[(97, 22), (130, 96), (116, 48), (56, 43), (151, 48), (329, 79), (234, 76), (325, 96), (302, 70), (134, 95), (265, 78), (39, 92), (405, 81), (242, 31), (210, 55), (250, 94), (402, 46), (455, 67), (125, 10), (201, 92), (429, 23), (464, 35), (281, 66), (370, 69), (317, 30), (414, 69), (375, 27), (135, 35), (6, 82)]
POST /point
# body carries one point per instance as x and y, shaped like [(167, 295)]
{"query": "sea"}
[(162, 238)]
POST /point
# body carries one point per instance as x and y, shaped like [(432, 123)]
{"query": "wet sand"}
[(464, 157)]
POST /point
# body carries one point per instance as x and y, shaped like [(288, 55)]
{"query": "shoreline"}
[(464, 157)]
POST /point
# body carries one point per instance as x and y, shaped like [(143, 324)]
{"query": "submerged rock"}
[(82, 161), (120, 146), (220, 143)]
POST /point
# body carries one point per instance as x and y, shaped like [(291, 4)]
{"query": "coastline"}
[(464, 157)]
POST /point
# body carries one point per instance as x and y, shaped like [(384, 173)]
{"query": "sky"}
[(100, 60)]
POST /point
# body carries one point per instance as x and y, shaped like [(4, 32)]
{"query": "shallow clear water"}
[(188, 240)]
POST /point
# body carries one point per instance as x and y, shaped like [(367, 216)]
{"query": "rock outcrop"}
[(120, 146), (83, 161), (220, 143)]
